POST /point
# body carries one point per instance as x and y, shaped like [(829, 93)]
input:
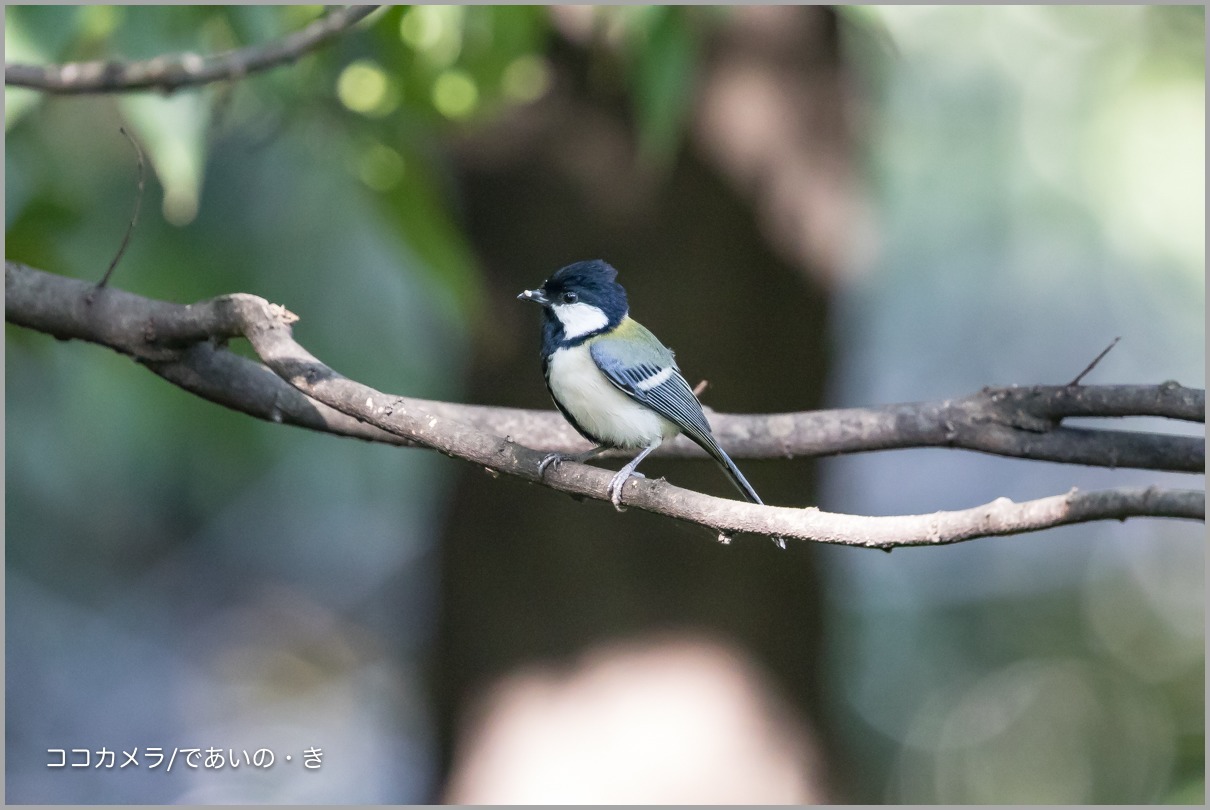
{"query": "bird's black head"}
[(580, 300)]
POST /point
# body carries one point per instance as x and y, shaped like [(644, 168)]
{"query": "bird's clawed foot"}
[(553, 458), (558, 458), (615, 487)]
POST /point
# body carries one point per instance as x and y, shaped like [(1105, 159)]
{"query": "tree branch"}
[(1017, 422), (172, 71), (178, 342)]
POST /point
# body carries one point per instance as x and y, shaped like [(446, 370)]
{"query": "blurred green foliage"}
[(1039, 173), (409, 76), (324, 185)]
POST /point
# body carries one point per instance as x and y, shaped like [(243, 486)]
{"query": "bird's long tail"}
[(738, 479)]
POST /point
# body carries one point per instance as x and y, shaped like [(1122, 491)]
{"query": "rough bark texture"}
[(173, 71)]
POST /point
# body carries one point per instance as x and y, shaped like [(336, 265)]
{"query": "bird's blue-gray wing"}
[(643, 369)]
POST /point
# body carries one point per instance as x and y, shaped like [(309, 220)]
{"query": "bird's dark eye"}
[(570, 298)]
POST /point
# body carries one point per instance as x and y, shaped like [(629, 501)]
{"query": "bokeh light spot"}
[(380, 167), (364, 87), (455, 94), (98, 22), (434, 32), (526, 79)]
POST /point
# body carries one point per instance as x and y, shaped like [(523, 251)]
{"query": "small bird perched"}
[(612, 379)]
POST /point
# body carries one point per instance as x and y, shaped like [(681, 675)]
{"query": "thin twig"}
[(134, 219), (1094, 362), (170, 72)]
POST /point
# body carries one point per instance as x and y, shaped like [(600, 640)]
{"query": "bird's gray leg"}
[(619, 480), (557, 458)]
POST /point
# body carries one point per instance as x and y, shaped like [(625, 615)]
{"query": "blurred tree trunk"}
[(529, 575)]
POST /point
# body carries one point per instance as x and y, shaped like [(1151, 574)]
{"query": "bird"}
[(612, 379)]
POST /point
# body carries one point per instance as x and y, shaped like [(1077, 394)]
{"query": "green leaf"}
[(664, 76), (39, 33), (172, 131)]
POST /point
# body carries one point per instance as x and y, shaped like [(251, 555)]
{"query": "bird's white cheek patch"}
[(580, 319)]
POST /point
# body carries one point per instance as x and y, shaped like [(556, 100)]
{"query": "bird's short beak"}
[(537, 296)]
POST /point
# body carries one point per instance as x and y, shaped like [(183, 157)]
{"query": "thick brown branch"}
[(220, 376), (176, 340), (1020, 422), (167, 73)]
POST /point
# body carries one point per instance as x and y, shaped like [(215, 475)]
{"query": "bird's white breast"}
[(599, 407)]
